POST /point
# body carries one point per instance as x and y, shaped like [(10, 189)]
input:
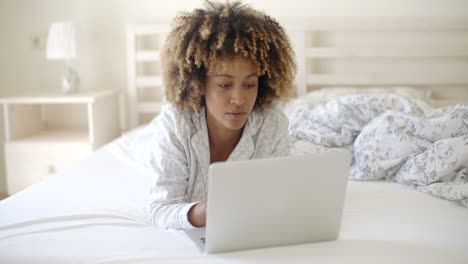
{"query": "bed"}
[(95, 211)]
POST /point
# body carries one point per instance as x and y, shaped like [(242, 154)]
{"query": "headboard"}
[(420, 53)]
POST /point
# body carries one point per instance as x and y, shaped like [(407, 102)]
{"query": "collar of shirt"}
[(244, 149)]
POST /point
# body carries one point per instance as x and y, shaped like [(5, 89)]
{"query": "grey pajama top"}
[(174, 148)]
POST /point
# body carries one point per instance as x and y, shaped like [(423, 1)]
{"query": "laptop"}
[(273, 202)]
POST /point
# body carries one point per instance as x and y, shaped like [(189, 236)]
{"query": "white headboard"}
[(422, 53), (145, 86)]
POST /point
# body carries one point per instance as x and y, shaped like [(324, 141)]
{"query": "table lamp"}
[(61, 46)]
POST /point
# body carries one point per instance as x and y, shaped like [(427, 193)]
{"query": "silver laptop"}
[(274, 202)]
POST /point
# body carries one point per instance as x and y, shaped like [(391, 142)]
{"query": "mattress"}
[(95, 212)]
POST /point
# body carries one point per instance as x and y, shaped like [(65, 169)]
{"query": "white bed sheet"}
[(95, 212)]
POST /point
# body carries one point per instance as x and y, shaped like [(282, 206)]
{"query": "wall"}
[(101, 34)]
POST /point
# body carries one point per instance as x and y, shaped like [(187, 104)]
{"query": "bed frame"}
[(422, 53)]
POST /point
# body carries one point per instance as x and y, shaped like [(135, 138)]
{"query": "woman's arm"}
[(197, 214), (167, 161)]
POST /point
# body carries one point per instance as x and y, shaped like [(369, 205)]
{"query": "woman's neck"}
[(222, 142)]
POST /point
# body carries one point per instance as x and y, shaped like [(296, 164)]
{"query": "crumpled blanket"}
[(393, 137)]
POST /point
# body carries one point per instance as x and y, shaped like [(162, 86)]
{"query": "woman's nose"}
[(237, 96)]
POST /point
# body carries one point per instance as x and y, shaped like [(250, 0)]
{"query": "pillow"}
[(415, 93), (325, 94)]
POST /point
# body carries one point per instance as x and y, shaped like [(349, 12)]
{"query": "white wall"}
[(101, 33)]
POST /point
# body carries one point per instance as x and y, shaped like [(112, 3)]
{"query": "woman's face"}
[(230, 93)]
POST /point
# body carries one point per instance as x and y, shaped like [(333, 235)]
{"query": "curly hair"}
[(222, 31)]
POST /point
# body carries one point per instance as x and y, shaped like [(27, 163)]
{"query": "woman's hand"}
[(197, 214)]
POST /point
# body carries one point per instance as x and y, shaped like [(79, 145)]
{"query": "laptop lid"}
[(273, 202)]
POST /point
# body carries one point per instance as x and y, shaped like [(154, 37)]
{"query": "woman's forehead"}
[(225, 65)]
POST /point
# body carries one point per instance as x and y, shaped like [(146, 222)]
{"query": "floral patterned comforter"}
[(393, 138)]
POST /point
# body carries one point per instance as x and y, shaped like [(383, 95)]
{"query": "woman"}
[(224, 68)]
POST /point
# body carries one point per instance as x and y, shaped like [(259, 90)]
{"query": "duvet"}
[(393, 137)]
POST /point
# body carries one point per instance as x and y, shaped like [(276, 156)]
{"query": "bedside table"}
[(45, 133)]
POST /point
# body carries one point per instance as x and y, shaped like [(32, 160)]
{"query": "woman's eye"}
[(251, 85), (224, 85)]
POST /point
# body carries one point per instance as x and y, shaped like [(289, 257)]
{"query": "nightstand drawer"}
[(47, 132), (29, 163)]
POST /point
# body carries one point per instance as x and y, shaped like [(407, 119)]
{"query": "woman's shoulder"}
[(271, 119), (170, 124), (271, 130), (275, 115), (170, 116)]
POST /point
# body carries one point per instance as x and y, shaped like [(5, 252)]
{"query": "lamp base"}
[(70, 81)]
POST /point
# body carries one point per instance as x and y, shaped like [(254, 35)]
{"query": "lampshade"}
[(61, 41)]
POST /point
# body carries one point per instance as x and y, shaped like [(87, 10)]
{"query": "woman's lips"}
[(236, 115)]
